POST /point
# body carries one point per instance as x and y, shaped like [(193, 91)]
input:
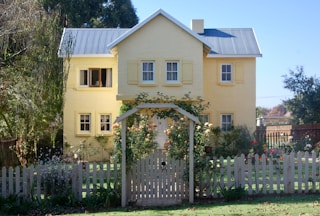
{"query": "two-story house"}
[(108, 66)]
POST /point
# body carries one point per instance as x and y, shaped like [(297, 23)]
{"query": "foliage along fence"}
[(293, 173), (276, 135)]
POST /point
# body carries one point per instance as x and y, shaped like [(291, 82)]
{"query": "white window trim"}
[(178, 71), (79, 123), (232, 74), (110, 123), (87, 85), (154, 72), (221, 122)]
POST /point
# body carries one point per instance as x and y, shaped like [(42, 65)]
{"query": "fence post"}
[(286, 160), (288, 171), (4, 182)]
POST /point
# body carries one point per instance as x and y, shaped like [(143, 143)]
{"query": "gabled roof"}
[(158, 12), (92, 42)]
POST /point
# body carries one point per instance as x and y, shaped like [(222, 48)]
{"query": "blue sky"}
[(288, 32)]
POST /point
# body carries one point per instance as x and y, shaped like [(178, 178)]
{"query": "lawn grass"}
[(269, 205)]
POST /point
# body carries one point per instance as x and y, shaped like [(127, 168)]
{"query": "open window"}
[(96, 77)]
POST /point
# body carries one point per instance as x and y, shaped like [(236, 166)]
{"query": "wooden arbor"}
[(123, 119)]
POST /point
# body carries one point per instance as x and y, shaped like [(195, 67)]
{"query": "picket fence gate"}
[(296, 173), (157, 180)]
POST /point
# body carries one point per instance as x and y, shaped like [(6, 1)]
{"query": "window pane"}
[(144, 66), (169, 67), (229, 68), (109, 78), (228, 76), (103, 80), (105, 123), (224, 68), (174, 66), (224, 77), (83, 77), (94, 77), (150, 66)]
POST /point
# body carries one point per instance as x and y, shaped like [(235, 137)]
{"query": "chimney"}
[(197, 25)]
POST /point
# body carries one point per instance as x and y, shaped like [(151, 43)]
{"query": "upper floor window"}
[(226, 122), (105, 123), (96, 77), (172, 71), (85, 122), (226, 73), (148, 72)]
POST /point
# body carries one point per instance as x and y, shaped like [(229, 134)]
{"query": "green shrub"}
[(14, 205), (233, 193), (102, 197)]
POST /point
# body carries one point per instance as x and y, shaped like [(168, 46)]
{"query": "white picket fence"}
[(45, 180), (294, 173)]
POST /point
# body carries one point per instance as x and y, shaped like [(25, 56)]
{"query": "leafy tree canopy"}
[(305, 104), (94, 13)]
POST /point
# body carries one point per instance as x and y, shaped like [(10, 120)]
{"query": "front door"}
[(162, 125)]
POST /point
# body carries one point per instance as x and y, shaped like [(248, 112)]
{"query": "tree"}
[(119, 13), (31, 74), (305, 104), (93, 13), (278, 110), (75, 13), (261, 111)]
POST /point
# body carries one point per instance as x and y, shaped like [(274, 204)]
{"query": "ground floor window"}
[(85, 122), (203, 118), (105, 123)]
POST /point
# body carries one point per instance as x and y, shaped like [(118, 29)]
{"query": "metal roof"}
[(88, 41), (226, 42), (232, 42)]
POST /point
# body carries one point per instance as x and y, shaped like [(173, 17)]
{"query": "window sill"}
[(83, 134), (93, 89), (226, 83), (148, 85), (172, 84), (105, 133)]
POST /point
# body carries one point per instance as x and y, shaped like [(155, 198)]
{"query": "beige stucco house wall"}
[(237, 97), (159, 41), (197, 57)]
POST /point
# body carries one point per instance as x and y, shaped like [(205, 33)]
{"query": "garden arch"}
[(123, 119)]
